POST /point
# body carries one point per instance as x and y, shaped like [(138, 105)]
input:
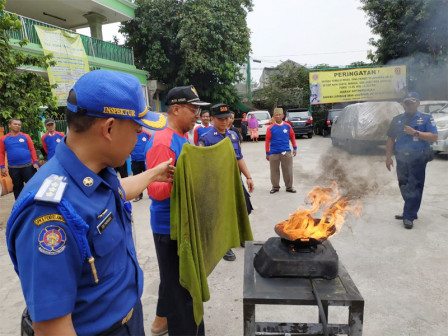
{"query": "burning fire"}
[(334, 207)]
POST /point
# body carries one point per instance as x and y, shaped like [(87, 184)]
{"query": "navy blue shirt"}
[(56, 279), (421, 122), (212, 137), (139, 151)]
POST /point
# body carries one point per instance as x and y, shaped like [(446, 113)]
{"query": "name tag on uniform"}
[(105, 223)]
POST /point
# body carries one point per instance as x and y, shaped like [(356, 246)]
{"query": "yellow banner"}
[(70, 56), (359, 84)]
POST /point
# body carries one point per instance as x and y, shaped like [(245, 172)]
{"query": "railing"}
[(92, 46)]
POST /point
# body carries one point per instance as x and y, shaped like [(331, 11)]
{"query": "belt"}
[(118, 324), (411, 153)]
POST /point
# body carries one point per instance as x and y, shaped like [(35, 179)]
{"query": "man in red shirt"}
[(174, 311), (22, 158), (52, 138), (202, 128), (278, 152)]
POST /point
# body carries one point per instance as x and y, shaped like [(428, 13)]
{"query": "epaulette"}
[(52, 189)]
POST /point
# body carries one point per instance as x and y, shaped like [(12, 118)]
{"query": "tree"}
[(199, 42), (288, 87), (414, 33), (21, 92)]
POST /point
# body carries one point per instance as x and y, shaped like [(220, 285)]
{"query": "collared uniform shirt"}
[(421, 122), (19, 148), (50, 141), (55, 280), (138, 154), (212, 137)]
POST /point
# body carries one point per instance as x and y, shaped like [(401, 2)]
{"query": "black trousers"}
[(19, 177), (123, 170), (137, 168), (175, 302)]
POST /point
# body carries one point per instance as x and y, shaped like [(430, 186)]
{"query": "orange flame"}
[(334, 207)]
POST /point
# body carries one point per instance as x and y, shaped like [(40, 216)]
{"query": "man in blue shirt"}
[(221, 121), (278, 152), (52, 138), (409, 138), (138, 156), (69, 235), (22, 158)]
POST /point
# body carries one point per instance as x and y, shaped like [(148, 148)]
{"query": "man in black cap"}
[(409, 138), (174, 312), (52, 138), (221, 118)]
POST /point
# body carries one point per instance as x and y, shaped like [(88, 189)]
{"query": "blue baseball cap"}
[(411, 96), (105, 94)]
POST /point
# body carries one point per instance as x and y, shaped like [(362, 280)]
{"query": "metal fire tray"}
[(277, 259)]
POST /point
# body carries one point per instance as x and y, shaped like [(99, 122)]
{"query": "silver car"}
[(441, 120)]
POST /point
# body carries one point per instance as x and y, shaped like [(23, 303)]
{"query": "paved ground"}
[(402, 274)]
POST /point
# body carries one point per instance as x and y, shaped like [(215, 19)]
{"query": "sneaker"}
[(229, 256), (408, 224), (291, 190), (273, 191)]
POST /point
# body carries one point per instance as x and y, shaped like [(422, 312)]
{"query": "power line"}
[(312, 54)]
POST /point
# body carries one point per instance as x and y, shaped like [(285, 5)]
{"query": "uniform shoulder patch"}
[(52, 240), (48, 218), (52, 189)]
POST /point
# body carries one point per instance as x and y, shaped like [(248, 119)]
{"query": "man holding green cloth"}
[(221, 119)]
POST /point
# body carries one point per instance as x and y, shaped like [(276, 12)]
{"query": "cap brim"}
[(225, 115), (410, 99), (153, 121), (199, 103)]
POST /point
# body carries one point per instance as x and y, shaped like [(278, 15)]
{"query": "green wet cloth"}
[(208, 214)]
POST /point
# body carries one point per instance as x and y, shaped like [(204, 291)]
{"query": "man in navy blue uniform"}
[(409, 138), (138, 156), (69, 234), (221, 120)]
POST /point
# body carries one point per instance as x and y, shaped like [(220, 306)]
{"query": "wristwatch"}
[(416, 134)]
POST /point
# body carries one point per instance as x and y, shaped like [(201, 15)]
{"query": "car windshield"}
[(444, 109), (298, 114), (333, 114), (262, 116)]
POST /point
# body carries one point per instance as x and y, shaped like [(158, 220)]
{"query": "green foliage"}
[(21, 92), (288, 88), (413, 33), (199, 42), (359, 64)]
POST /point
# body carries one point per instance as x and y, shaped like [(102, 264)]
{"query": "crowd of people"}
[(73, 214)]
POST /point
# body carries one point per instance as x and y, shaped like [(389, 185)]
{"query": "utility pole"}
[(249, 79)]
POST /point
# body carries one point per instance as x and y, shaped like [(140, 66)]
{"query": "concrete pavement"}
[(401, 274)]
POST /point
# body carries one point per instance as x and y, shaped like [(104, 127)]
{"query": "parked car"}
[(300, 120), (331, 118), (430, 106), (441, 118), (363, 127), (264, 120)]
